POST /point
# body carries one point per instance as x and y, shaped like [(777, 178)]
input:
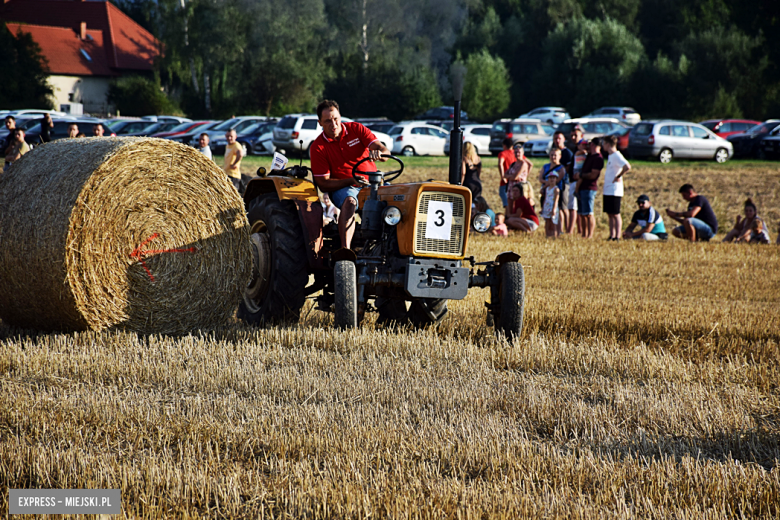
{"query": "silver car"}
[(668, 139)]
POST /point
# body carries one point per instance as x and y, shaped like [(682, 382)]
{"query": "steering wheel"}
[(388, 177)]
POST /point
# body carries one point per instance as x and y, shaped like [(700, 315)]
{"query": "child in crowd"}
[(579, 160), (500, 228), (330, 213), (759, 234), (550, 210)]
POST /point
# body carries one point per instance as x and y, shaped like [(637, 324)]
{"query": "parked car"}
[(591, 126), (60, 128), (377, 124), (417, 138), (154, 128), (446, 125), (478, 135), (668, 139), (727, 127), (294, 128), (550, 115), (163, 119), (193, 135), (518, 130), (625, 114), (748, 143), (120, 128), (34, 112), (256, 138), (239, 124), (183, 128), (441, 113), (769, 148)]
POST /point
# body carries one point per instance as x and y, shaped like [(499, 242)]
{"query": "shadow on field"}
[(758, 446)]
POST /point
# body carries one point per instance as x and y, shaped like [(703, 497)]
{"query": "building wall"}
[(91, 91)]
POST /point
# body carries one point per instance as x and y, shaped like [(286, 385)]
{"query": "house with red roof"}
[(87, 43)]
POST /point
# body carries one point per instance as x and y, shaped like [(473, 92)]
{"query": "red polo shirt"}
[(337, 157)]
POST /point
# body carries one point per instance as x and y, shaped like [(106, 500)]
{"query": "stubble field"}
[(645, 385)]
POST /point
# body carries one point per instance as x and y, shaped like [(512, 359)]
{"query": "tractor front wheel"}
[(511, 293), (345, 295)]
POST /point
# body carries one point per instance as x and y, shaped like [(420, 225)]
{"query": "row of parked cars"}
[(294, 133)]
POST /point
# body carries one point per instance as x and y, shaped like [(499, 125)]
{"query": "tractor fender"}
[(507, 257), (304, 193)]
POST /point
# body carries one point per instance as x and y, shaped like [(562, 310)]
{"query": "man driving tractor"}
[(334, 153)]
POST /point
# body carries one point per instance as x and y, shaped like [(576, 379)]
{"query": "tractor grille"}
[(451, 247)]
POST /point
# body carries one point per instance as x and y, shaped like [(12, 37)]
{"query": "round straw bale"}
[(139, 233)]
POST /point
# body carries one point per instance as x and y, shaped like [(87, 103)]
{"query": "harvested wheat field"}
[(645, 386)]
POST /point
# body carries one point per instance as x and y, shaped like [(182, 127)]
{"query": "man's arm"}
[(593, 174), (501, 166), (623, 171), (679, 216), (376, 150), (236, 158)]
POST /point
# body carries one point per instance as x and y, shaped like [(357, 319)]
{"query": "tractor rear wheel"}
[(345, 295), (511, 294), (277, 290)]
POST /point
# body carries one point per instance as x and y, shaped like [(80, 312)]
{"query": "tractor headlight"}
[(481, 222), (391, 215)]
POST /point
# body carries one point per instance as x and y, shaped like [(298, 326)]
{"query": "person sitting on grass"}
[(500, 228), (647, 222), (523, 216), (699, 221), (759, 233), (743, 227)]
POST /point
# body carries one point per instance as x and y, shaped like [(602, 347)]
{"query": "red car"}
[(727, 127), (622, 135), (183, 128)]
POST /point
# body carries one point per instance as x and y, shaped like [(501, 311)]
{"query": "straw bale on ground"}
[(139, 233)]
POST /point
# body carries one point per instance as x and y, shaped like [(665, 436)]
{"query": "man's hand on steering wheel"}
[(376, 155)]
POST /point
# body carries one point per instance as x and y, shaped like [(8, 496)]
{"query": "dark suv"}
[(444, 113)]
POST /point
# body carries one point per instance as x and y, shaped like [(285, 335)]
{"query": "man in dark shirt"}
[(699, 222), (589, 186), (567, 157)]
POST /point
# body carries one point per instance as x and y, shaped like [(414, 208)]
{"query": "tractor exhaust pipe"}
[(458, 72)]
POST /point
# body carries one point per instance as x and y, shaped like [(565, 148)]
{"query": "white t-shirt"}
[(206, 151), (615, 163)]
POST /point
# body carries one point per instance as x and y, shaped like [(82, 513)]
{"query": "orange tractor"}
[(406, 260)]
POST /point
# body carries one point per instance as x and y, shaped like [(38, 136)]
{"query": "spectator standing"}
[(519, 171), (470, 170), (17, 148), (506, 158), (500, 228), (73, 131), (98, 130), (46, 127), (617, 166), (550, 211), (699, 221), (523, 216), (647, 221), (203, 145), (567, 156), (10, 125), (574, 139), (233, 156), (588, 188), (574, 177), (743, 230)]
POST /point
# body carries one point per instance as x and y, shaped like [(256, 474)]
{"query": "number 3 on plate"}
[(439, 225)]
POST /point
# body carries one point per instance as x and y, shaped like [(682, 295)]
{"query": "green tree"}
[(138, 96), (24, 83), (587, 64), (486, 89)]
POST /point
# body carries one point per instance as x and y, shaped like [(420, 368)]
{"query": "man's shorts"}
[(565, 195), (572, 197), (612, 204), (338, 197), (703, 230), (502, 194), (585, 201)]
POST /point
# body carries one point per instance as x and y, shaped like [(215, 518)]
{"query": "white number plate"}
[(439, 225)]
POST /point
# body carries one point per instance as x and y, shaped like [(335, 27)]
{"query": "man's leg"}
[(591, 225), (690, 231), (347, 221), (618, 226)]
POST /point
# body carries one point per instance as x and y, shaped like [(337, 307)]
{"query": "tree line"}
[(689, 59)]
